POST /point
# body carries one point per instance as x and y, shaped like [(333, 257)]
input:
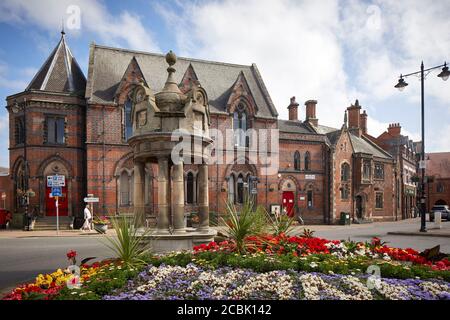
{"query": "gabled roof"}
[(107, 65), (60, 72)]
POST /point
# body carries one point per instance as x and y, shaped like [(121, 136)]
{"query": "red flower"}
[(71, 254)]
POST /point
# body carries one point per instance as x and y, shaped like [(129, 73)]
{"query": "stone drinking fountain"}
[(154, 118)]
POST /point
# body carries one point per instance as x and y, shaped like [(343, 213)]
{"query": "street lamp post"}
[(444, 75), (25, 195)]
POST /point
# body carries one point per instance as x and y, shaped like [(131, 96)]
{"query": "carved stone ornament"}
[(140, 95), (142, 118)]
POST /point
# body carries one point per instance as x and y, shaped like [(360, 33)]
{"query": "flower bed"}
[(272, 267), (303, 246), (194, 282)]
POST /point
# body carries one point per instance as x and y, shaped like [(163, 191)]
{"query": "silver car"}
[(445, 212)]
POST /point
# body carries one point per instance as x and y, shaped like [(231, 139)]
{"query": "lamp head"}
[(445, 73), (401, 84)]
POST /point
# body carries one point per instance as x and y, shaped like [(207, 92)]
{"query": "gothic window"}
[(190, 187), (20, 130), (240, 189), (297, 161), (345, 172), (379, 200), (240, 127), (127, 123), (440, 187), (345, 192), (307, 161), (367, 168), (231, 186), (379, 171), (55, 130), (309, 196), (124, 189)]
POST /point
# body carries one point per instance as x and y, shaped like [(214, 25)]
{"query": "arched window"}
[(190, 187), (124, 189), (307, 161), (440, 187), (240, 189), (309, 197), (20, 130), (345, 172), (127, 123), (147, 188), (240, 126), (297, 161), (231, 189)]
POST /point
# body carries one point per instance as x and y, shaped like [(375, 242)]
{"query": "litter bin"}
[(345, 218)]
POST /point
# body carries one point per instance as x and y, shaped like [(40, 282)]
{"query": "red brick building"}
[(404, 152), (79, 128), (437, 189)]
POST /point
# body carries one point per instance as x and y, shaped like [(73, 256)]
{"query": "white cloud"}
[(125, 28), (332, 51)]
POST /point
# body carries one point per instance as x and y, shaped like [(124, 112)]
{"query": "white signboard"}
[(91, 199), (310, 177), (56, 181), (422, 164)]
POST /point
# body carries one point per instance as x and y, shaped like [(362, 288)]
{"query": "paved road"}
[(21, 259)]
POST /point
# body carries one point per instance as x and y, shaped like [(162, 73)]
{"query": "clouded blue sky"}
[(332, 51)]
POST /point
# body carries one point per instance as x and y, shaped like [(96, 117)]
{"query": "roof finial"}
[(62, 28), (345, 118)]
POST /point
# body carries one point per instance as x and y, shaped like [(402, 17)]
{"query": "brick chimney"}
[(311, 112), (363, 122), (293, 110), (354, 118), (394, 129)]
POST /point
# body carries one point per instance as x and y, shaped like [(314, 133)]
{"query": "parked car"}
[(444, 209)]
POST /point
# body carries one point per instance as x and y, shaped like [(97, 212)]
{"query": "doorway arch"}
[(440, 202)]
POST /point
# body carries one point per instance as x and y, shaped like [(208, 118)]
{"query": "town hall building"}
[(66, 124)]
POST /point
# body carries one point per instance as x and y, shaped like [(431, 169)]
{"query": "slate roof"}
[(107, 66), (363, 145), (293, 127), (60, 72)]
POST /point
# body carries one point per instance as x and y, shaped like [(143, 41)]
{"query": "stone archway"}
[(360, 207), (55, 166), (288, 188), (440, 202)]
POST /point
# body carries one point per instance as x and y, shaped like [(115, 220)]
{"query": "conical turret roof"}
[(60, 72)]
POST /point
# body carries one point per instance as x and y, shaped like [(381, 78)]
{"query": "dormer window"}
[(240, 126)]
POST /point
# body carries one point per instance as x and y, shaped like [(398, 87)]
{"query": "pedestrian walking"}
[(87, 219)]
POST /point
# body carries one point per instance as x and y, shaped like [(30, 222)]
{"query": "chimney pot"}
[(311, 112), (293, 110)]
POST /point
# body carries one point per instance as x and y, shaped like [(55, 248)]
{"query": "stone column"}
[(203, 198), (163, 196), (178, 198), (138, 194)]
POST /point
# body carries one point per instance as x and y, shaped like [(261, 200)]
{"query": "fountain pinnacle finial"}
[(171, 58)]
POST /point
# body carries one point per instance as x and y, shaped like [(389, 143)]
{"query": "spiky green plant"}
[(129, 244), (239, 224), (280, 223)]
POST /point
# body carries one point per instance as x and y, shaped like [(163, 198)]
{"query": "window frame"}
[(377, 194)]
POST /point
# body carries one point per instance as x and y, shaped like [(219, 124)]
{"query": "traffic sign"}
[(56, 192), (56, 181), (91, 200)]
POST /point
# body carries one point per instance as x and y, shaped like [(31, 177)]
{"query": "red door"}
[(288, 202), (62, 201)]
